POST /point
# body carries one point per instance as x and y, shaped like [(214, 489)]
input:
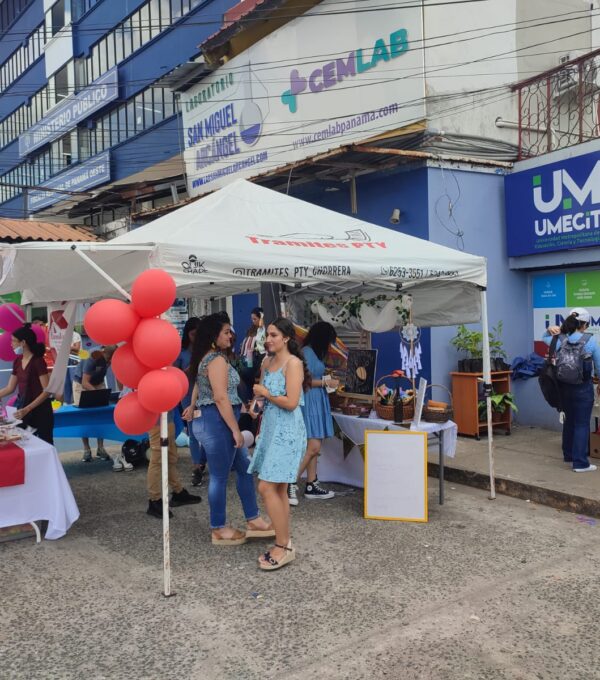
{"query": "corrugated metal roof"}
[(17, 231)]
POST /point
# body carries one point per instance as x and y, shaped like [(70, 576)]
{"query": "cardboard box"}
[(594, 445)]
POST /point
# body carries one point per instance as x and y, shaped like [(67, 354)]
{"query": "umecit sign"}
[(555, 206), (277, 103)]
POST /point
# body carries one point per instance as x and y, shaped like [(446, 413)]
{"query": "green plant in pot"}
[(468, 342), (497, 352), (500, 403), (471, 344)]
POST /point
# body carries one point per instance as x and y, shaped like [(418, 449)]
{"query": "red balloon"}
[(128, 369), (11, 320), (153, 292), (131, 417), (156, 343), (110, 321), (6, 350), (182, 377), (39, 333), (159, 391)]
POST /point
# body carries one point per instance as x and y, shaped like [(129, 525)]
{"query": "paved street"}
[(486, 590)]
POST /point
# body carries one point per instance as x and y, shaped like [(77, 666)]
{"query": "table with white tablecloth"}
[(335, 466), (45, 495)]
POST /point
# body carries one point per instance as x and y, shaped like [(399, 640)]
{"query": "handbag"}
[(547, 379)]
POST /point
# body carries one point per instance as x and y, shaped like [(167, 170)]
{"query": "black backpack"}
[(548, 380), (134, 452), (570, 359)]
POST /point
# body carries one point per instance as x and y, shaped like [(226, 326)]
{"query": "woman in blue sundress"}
[(282, 439), (316, 410)]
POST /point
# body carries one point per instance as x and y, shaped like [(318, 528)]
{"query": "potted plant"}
[(500, 403), (497, 353), (468, 342), (471, 343)]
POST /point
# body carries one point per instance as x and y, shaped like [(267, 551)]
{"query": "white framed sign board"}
[(396, 475)]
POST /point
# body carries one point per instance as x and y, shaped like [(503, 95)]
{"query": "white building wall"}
[(508, 41)]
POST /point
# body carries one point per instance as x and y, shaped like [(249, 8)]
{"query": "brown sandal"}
[(238, 538), (260, 533), (271, 564)]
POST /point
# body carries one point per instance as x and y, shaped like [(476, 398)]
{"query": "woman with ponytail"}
[(214, 412), (282, 439), (30, 376), (577, 353)]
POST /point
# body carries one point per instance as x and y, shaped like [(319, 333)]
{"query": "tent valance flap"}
[(243, 235)]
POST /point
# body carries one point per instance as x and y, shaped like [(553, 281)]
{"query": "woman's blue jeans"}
[(215, 436), (577, 401), (197, 452)]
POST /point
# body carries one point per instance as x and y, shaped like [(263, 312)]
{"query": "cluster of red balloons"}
[(150, 346), (11, 318)]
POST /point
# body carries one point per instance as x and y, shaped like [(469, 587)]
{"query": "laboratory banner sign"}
[(555, 294), (75, 108), (80, 177), (326, 79), (554, 206)]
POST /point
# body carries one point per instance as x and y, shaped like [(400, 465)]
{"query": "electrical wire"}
[(462, 94)]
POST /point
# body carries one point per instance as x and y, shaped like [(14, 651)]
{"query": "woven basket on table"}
[(430, 415), (387, 411)]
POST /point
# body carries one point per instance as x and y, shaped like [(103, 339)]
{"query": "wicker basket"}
[(384, 411), (387, 411), (355, 409), (438, 415)]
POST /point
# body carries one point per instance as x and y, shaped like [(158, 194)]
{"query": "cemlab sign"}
[(554, 205)]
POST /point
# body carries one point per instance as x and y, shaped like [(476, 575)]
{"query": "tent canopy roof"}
[(234, 239)]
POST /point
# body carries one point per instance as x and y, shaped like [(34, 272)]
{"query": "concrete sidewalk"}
[(528, 465)]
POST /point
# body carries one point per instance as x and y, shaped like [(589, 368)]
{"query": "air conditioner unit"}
[(567, 79)]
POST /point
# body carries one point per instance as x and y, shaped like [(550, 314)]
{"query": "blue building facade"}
[(83, 108), (458, 206)]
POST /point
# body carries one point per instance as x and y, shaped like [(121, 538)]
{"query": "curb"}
[(509, 487)]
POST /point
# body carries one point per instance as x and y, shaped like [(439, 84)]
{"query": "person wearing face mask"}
[(30, 378)]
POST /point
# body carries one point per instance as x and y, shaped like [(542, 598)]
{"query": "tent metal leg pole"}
[(487, 381), (164, 461), (164, 445), (101, 271)]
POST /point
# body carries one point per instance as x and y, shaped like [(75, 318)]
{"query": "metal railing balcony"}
[(560, 107)]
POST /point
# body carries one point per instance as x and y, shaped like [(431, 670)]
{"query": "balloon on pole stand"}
[(182, 377), (153, 293), (131, 417), (159, 391), (6, 351), (156, 343), (128, 369), (11, 317), (109, 321), (39, 333)]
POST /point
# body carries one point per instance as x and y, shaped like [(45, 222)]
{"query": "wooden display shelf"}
[(465, 399)]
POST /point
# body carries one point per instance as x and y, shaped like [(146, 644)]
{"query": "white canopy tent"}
[(231, 241), (243, 235)]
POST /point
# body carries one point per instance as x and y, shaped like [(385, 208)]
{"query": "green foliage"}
[(468, 342), (500, 402), (347, 308), (471, 342)]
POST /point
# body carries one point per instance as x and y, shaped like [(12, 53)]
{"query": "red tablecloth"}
[(12, 465)]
